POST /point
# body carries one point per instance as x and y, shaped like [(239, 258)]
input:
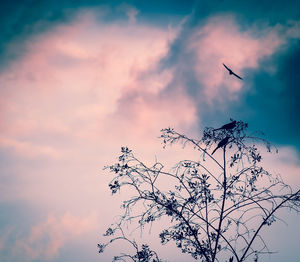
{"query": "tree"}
[(217, 206)]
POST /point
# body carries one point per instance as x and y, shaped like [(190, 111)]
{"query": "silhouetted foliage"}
[(217, 206)]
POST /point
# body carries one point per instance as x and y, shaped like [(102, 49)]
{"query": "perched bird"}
[(228, 126), (222, 143), (231, 72)]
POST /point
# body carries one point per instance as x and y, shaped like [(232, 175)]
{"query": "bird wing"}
[(230, 71), (237, 76), (226, 67), (222, 143)]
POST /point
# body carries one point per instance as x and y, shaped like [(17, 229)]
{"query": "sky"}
[(80, 79)]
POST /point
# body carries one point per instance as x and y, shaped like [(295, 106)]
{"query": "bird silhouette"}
[(231, 72), (222, 143), (228, 126)]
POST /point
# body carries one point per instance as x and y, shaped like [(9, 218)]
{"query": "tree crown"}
[(217, 206)]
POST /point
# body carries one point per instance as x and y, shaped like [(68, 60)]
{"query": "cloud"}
[(248, 12), (221, 41), (72, 78), (80, 92), (285, 163), (199, 51), (28, 149), (84, 88), (270, 101), (264, 54), (44, 240), (130, 11)]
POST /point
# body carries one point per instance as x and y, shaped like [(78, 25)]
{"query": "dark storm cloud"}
[(271, 11), (271, 102), (265, 100), (272, 105), (268, 101), (21, 19)]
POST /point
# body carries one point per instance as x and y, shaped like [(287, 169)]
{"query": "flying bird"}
[(231, 72), (228, 126), (222, 143)]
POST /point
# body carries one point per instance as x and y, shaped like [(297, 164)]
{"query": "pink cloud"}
[(46, 239), (147, 113), (221, 40), (28, 149), (70, 80), (285, 163), (86, 88), (79, 93)]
